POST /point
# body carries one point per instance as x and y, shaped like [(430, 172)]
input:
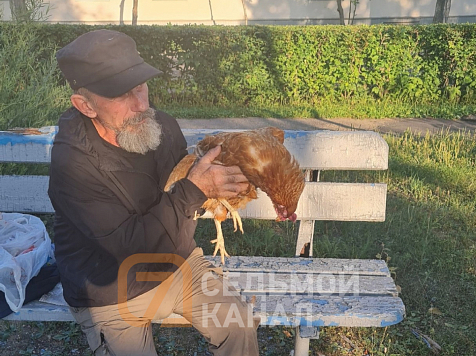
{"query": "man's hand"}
[(217, 181)]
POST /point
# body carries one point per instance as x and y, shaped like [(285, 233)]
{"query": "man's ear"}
[(83, 105)]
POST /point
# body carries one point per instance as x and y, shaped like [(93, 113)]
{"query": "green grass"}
[(428, 241), (353, 108)]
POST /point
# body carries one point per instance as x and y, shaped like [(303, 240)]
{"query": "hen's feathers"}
[(180, 170), (264, 161)]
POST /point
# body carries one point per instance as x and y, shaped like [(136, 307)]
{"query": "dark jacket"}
[(106, 212)]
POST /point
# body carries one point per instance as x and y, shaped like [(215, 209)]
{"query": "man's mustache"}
[(148, 114)]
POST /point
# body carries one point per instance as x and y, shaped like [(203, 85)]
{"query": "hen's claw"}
[(220, 243), (237, 220), (234, 214)]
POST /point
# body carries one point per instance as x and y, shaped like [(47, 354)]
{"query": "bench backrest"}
[(314, 150)]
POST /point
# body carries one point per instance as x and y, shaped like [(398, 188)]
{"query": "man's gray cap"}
[(105, 62)]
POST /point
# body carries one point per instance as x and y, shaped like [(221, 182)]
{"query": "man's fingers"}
[(235, 178), (232, 170), (232, 190), (216, 180), (211, 155), (236, 187)]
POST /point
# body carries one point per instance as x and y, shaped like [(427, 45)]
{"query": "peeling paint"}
[(399, 318)]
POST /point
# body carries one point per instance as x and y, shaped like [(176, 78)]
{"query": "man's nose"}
[(140, 101)]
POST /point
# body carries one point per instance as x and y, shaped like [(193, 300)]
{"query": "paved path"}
[(379, 125)]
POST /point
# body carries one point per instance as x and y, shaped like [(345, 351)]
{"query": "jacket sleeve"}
[(80, 193)]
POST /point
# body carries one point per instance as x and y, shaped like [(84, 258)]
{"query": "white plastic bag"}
[(24, 248)]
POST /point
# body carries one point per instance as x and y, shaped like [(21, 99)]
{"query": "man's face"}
[(130, 118), (116, 111)]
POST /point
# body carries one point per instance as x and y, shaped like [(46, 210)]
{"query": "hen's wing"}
[(180, 170), (256, 152)]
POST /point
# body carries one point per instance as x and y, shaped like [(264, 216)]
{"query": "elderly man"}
[(117, 233)]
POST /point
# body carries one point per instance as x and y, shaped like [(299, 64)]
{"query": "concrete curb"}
[(396, 126)]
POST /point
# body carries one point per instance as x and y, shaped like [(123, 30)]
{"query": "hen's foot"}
[(220, 246), (220, 243), (237, 223)]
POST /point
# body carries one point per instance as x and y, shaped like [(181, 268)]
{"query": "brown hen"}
[(264, 161)]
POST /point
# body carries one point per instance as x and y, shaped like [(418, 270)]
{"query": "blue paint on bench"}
[(320, 302), (295, 134), (399, 318), (7, 138), (295, 321), (302, 321), (302, 263), (343, 307)]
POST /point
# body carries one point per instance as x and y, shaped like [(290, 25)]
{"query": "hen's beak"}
[(282, 213)]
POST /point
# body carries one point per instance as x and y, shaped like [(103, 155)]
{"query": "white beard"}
[(140, 137)]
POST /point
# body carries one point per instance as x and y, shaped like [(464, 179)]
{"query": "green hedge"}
[(30, 94), (268, 65)]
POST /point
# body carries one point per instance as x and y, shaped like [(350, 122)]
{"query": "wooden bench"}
[(305, 293)]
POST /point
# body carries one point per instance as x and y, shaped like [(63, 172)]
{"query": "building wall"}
[(237, 12)]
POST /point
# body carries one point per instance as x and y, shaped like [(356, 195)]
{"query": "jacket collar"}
[(78, 131)]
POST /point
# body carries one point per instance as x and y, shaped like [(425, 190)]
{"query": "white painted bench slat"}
[(304, 265), (16, 147), (326, 150), (319, 150), (363, 311), (329, 201), (38, 311), (349, 311), (325, 201), (259, 283), (25, 194), (319, 311), (329, 311)]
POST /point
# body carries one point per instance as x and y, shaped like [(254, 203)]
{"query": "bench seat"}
[(293, 292)]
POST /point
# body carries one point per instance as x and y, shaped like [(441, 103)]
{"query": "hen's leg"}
[(220, 242), (196, 215), (234, 214)]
